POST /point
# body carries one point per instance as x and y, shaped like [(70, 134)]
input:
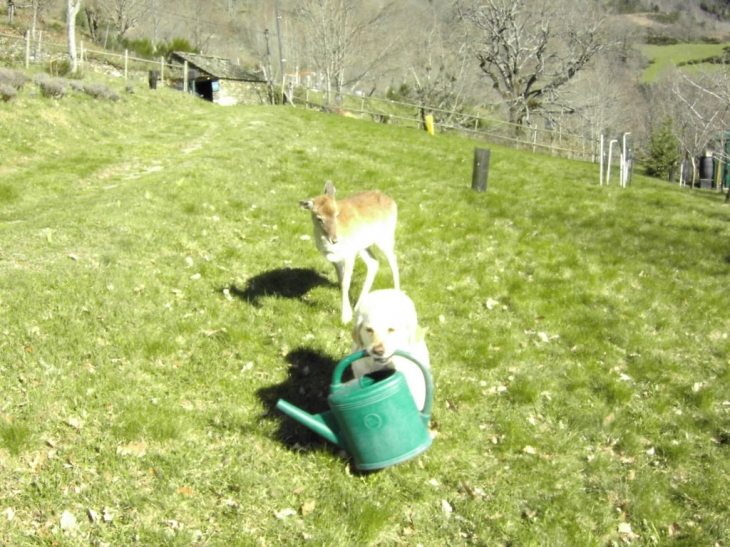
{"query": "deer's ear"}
[(329, 188), (306, 204)]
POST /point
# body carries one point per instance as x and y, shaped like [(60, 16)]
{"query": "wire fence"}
[(489, 128), (26, 49)]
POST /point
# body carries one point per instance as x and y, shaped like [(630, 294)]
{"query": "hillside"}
[(160, 291)]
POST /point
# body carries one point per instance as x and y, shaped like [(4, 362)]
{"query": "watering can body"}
[(374, 417)]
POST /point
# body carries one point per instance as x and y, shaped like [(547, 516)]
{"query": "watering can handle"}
[(347, 361)]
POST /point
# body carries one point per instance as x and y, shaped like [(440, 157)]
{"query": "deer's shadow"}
[(306, 387), (282, 283)]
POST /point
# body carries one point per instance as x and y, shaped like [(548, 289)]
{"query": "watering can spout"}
[(323, 424)]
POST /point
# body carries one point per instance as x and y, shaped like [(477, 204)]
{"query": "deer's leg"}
[(372, 268), (393, 262), (339, 266), (344, 271)]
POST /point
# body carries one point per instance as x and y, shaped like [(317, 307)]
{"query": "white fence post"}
[(608, 167), (600, 178)]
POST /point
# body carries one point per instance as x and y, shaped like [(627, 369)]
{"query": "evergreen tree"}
[(663, 151)]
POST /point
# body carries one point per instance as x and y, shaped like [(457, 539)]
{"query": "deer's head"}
[(324, 211)]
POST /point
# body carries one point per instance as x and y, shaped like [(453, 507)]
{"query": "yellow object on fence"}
[(429, 124)]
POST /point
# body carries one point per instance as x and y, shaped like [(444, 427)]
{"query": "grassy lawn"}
[(159, 293), (665, 57)]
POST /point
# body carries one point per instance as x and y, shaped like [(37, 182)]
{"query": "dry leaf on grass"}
[(74, 422), (624, 529), (136, 449), (308, 506)]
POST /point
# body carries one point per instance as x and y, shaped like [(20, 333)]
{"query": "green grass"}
[(666, 57), (157, 297)]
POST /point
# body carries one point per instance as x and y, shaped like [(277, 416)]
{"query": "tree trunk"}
[(72, 9)]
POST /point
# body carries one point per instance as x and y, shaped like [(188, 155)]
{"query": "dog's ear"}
[(306, 204), (356, 333), (412, 331)]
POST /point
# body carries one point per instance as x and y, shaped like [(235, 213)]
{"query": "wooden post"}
[(162, 70), (126, 61), (185, 76), (481, 169)]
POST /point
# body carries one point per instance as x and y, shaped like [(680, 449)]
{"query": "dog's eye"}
[(391, 330), (370, 330)]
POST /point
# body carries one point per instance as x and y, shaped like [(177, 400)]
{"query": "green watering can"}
[(374, 418)]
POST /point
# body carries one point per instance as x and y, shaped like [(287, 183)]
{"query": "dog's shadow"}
[(306, 387), (283, 283)]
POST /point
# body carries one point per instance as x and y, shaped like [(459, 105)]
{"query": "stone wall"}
[(236, 92)]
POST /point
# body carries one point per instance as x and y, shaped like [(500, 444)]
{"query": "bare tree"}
[(344, 39), (438, 63), (72, 9), (199, 24), (154, 9), (124, 14), (529, 49), (39, 7), (93, 18), (603, 100), (699, 105)]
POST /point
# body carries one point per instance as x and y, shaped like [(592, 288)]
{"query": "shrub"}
[(76, 85), (7, 92), (402, 93), (177, 44), (13, 78), (101, 91), (142, 46), (60, 67), (660, 40), (54, 88)]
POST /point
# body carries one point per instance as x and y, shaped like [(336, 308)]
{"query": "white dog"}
[(386, 320)]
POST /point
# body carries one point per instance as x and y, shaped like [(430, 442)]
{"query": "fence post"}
[(481, 169), (162, 70), (600, 178), (27, 48), (37, 54), (126, 61), (185, 76)]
